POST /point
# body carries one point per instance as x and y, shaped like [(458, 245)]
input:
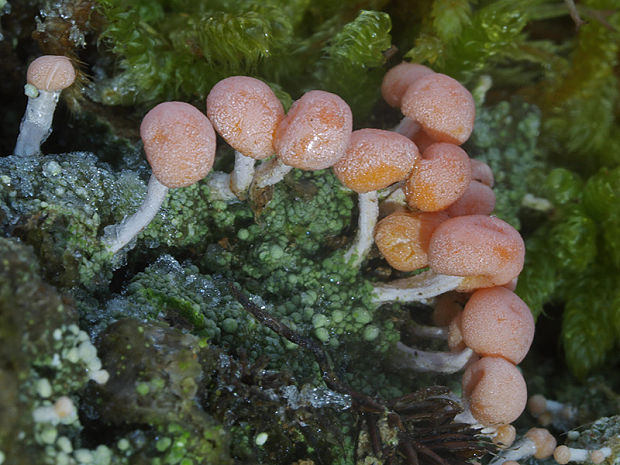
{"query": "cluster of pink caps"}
[(444, 223), (447, 228)]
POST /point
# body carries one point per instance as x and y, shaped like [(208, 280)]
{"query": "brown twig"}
[(327, 371)]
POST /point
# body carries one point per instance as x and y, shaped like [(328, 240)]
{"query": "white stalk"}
[(118, 236), (520, 450), (37, 121), (367, 220), (242, 175), (270, 172), (435, 362), (407, 127), (432, 332), (418, 288)]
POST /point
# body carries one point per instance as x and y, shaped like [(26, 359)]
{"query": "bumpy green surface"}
[(58, 204), (506, 138), (44, 356)]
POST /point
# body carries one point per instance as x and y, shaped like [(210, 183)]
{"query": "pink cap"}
[(496, 322), (51, 73), (544, 442), (375, 159), (477, 246), (439, 178), (179, 143), (442, 106), (495, 391), (398, 79), (478, 199), (246, 113), (481, 172), (316, 131)]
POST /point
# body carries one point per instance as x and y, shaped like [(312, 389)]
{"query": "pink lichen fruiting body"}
[(443, 107), (478, 199), (316, 131), (439, 178), (375, 159), (495, 391), (481, 172), (51, 73), (398, 79), (544, 442), (179, 143), (403, 237), (246, 113), (496, 322), (477, 246)]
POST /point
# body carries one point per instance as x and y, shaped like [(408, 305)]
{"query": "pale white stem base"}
[(219, 186), (118, 236), (520, 450), (367, 220), (418, 288), (467, 418), (536, 203), (432, 332), (436, 362), (552, 412), (36, 123), (407, 127), (270, 172), (242, 175)]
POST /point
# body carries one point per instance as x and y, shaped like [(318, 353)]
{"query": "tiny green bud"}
[(371, 332), (319, 320), (142, 389), (322, 334), (261, 439)]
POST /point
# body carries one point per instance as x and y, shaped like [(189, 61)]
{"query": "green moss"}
[(462, 41), (506, 138), (179, 51), (352, 63), (581, 97)]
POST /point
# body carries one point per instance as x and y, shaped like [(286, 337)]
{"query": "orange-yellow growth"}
[(478, 199), (398, 79), (439, 178), (375, 159), (403, 238)]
